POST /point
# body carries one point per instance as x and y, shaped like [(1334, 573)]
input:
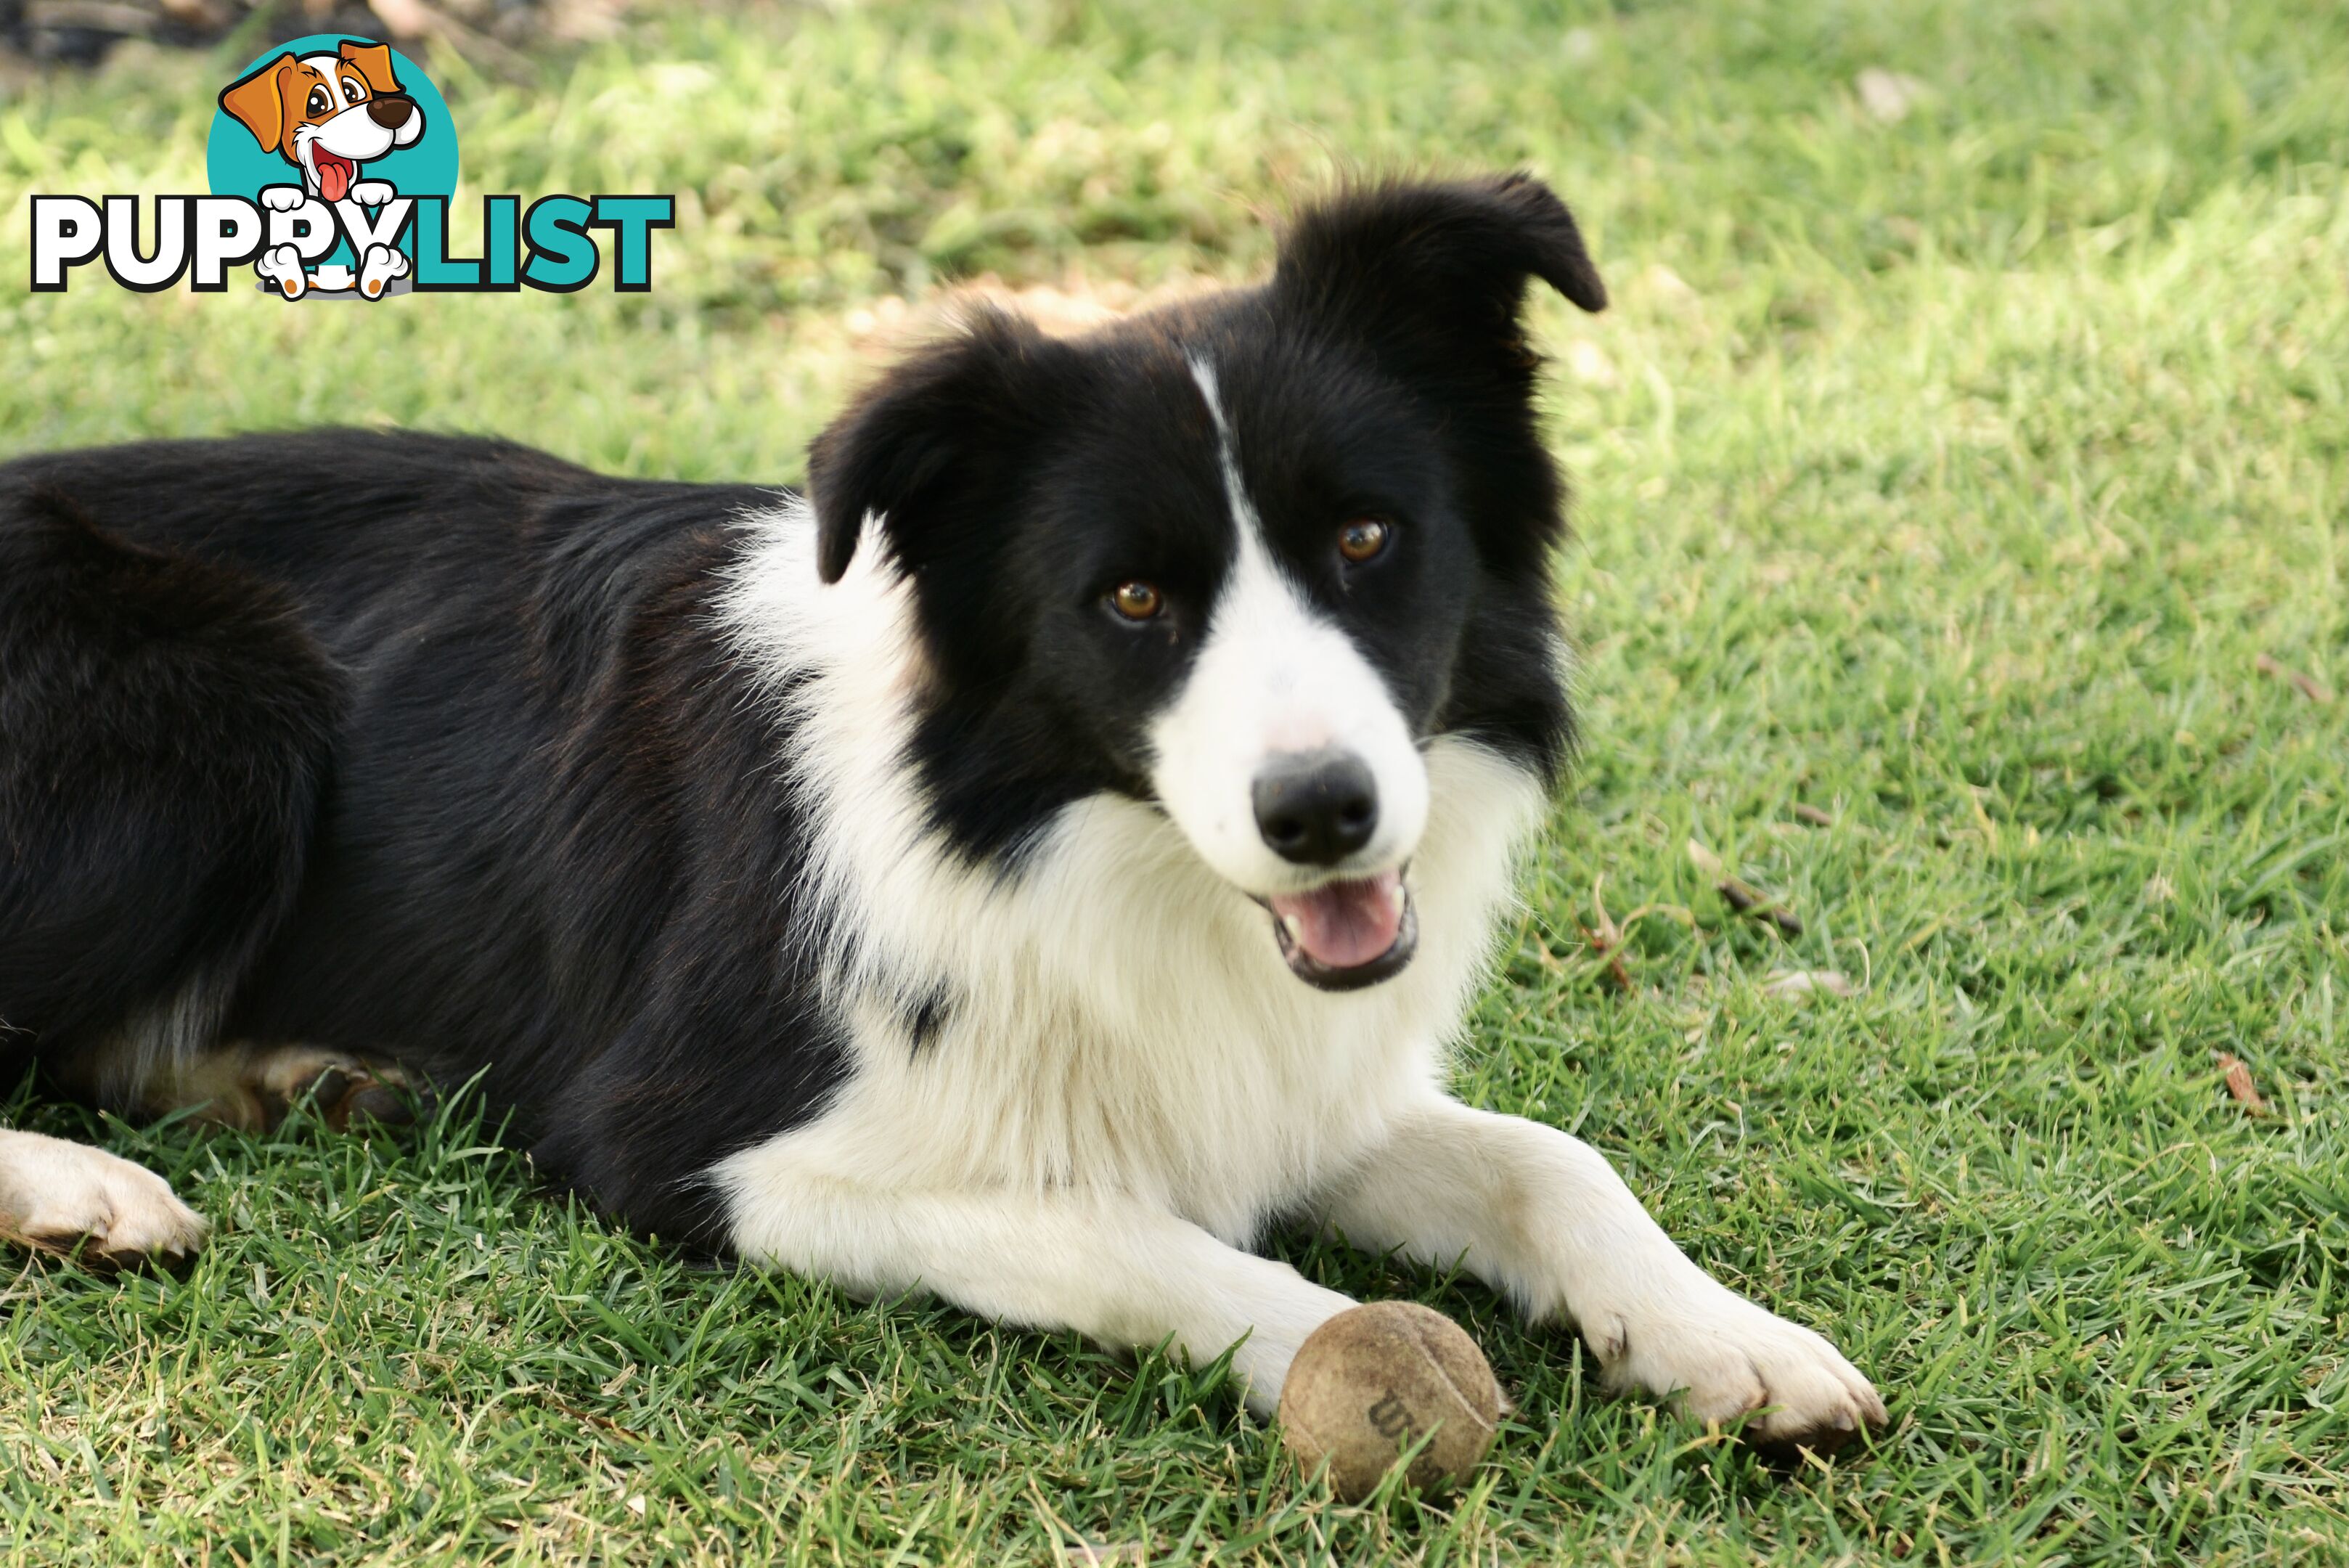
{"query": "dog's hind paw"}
[(254, 1088), (62, 1197), (382, 265), (283, 266), (344, 1091)]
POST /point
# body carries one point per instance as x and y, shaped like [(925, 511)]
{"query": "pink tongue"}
[(1346, 924), (334, 179)]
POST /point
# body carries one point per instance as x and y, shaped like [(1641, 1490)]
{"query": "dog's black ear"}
[(1404, 257), (936, 448), (1429, 278)]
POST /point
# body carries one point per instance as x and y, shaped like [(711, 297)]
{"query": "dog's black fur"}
[(436, 749), (408, 745)]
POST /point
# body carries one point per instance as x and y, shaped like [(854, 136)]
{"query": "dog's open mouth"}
[(335, 173), (1348, 934)]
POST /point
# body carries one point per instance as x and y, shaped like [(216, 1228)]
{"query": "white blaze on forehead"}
[(1274, 676), (331, 67)]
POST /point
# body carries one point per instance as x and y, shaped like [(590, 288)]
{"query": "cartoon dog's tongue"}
[(1343, 925), (334, 174)]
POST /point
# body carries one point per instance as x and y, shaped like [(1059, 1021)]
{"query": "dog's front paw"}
[(60, 1195), (383, 264), (283, 197), (372, 192), (1284, 1310), (1721, 1358)]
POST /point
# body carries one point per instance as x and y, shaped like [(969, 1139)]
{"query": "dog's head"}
[(326, 114), (1242, 558)]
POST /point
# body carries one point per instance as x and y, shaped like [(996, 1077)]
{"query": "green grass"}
[(1950, 475)]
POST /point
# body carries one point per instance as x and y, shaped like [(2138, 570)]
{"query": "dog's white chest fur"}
[(1113, 1017)]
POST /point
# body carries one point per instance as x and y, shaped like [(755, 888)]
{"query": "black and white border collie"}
[(1061, 842)]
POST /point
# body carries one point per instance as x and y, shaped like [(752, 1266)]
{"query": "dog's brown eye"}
[(1137, 601), (351, 93), (1359, 540), (319, 103)]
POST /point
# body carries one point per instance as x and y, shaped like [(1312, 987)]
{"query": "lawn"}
[(1965, 462)]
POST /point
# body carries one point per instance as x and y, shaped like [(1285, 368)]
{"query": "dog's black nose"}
[(1317, 807), (391, 109)]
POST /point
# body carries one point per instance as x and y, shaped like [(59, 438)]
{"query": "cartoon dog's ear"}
[(372, 61), (1401, 258), (935, 451), (257, 101)]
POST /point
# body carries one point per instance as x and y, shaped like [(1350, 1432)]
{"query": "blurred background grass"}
[(1965, 460)]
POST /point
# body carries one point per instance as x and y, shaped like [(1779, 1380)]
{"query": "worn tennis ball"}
[(1374, 1380)]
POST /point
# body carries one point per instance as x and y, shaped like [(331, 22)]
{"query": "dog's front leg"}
[(59, 1196), (1121, 1272), (1544, 1217)]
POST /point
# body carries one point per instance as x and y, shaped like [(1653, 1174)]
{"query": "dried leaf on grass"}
[(1099, 1554), (1606, 937), (2301, 680), (1750, 900), (1743, 896), (1888, 95), (1801, 982), (2239, 1083)]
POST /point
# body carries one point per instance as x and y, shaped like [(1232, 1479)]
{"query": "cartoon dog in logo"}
[(327, 114)]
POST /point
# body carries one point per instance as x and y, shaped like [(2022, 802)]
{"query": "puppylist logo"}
[(332, 162)]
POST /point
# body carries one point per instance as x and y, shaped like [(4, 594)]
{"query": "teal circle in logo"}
[(238, 165)]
